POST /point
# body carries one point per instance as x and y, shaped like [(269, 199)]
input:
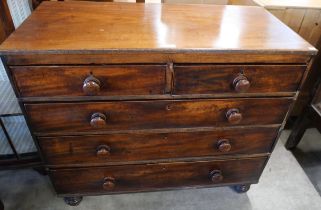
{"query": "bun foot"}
[(73, 201), (242, 188)]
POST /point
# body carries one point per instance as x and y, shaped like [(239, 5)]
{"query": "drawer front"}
[(115, 80), (131, 115), (131, 178), (113, 148), (212, 79)]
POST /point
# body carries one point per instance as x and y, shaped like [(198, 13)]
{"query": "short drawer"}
[(216, 79), (116, 148), (131, 178), (133, 115), (112, 80)]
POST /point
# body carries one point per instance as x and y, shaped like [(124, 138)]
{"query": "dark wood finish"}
[(164, 56), (98, 120), (155, 176), (153, 97), (73, 201), (234, 116), (78, 150), (207, 79), (44, 81), (6, 23), (91, 85), (131, 115)]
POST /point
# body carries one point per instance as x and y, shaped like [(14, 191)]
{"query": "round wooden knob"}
[(234, 116), (241, 83), (216, 176), (91, 85), (103, 150), (223, 145), (98, 120), (109, 183)]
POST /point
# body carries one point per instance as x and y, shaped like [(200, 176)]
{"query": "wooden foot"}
[(242, 188), (73, 201)]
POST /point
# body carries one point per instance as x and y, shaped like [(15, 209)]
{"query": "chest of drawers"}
[(132, 97)]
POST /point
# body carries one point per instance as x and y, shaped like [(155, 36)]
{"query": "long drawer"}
[(121, 148), (131, 115), (131, 178), (213, 79), (111, 80)]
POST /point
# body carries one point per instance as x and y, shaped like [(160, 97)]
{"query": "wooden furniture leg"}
[(298, 130)]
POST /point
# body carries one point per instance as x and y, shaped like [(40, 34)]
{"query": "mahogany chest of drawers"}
[(142, 97)]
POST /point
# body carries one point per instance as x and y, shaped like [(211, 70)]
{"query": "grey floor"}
[(288, 183)]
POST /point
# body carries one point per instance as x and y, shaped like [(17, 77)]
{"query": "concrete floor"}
[(284, 185)]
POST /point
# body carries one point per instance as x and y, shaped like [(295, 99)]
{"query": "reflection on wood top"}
[(83, 27), (313, 4)]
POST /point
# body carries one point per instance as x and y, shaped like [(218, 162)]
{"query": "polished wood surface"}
[(134, 97), (115, 148), (132, 115), (155, 176), (6, 23), (44, 81), (206, 79), (82, 27)]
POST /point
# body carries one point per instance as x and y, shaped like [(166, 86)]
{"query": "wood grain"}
[(84, 27), (155, 176), (206, 79), (6, 23), (151, 146), (138, 57), (132, 115), (115, 80)]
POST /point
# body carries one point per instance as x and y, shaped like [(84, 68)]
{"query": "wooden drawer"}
[(131, 178), (212, 79), (116, 148), (113, 80), (132, 115)]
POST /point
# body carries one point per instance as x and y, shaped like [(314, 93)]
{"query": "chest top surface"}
[(81, 27)]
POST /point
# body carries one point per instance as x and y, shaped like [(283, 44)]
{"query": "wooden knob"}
[(241, 83), (216, 176), (91, 85), (109, 183), (103, 150), (98, 120), (234, 116), (223, 145)]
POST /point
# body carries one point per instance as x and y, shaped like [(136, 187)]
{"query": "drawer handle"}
[(223, 145), (234, 116), (109, 183), (241, 83), (103, 150), (91, 85), (98, 120), (216, 176)]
